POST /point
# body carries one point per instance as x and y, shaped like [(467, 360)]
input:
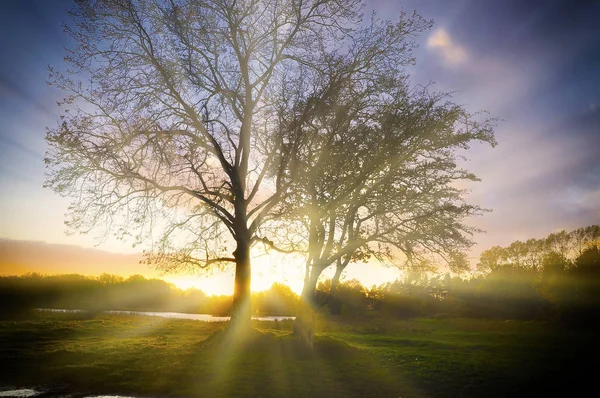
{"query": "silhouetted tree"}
[(586, 286), (490, 259), (19, 294), (169, 119), (375, 295), (554, 277), (532, 253), (278, 300), (374, 162)]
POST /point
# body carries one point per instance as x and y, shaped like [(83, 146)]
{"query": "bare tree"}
[(529, 255), (375, 162), (169, 117)]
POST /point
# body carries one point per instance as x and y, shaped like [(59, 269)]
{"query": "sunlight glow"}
[(214, 285), (277, 268), (267, 268), (451, 52)]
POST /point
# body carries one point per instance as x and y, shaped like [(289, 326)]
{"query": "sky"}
[(533, 64)]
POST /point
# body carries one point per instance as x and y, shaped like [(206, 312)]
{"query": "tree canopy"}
[(189, 124), (533, 253), (167, 117), (374, 162)]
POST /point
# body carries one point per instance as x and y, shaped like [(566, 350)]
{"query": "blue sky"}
[(535, 64)]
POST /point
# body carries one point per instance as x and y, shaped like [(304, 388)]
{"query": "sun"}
[(215, 285)]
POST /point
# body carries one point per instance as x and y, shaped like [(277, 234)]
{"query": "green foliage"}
[(584, 292)]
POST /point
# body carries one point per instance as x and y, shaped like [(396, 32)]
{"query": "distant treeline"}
[(136, 293), (557, 278), (559, 289)]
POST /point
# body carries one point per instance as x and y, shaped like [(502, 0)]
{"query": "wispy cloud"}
[(451, 52), (586, 200)]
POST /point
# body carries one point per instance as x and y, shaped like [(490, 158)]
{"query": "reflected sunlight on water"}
[(175, 315), (28, 392), (24, 392)]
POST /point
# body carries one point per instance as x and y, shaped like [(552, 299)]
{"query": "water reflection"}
[(28, 392), (23, 392), (175, 315)]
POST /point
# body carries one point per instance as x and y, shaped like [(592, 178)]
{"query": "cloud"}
[(451, 52), (586, 200)]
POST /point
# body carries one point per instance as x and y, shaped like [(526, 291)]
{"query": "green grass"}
[(146, 356), (459, 357)]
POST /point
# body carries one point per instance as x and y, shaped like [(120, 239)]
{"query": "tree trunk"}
[(336, 279), (335, 306), (304, 323), (241, 313), (309, 290)]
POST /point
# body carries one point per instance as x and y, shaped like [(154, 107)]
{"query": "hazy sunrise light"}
[(512, 59), (299, 198)]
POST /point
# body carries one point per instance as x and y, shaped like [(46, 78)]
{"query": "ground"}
[(369, 357)]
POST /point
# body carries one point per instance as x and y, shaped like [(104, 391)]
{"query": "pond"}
[(28, 392), (23, 392), (175, 315)]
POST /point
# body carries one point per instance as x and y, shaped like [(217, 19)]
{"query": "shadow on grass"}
[(185, 359), (148, 357), (268, 365)]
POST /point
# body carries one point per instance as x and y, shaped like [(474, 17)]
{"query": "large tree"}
[(167, 132), (374, 162)]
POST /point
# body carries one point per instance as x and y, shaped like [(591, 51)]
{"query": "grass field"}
[(373, 357)]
